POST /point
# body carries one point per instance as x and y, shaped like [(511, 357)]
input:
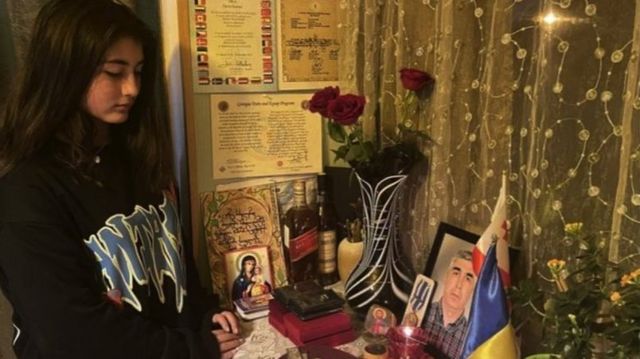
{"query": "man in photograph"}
[(446, 323)]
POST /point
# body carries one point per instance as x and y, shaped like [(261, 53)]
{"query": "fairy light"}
[(550, 18)]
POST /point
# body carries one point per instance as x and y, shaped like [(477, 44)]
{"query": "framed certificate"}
[(307, 44), (264, 135), (232, 45)]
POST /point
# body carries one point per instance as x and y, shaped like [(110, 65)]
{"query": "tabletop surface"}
[(262, 341)]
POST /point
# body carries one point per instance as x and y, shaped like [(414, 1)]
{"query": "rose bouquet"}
[(383, 275), (370, 158)]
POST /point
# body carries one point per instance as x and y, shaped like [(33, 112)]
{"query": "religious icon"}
[(378, 320), (248, 272)]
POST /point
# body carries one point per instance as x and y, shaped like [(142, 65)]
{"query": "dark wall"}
[(345, 193), (7, 52), (7, 70)]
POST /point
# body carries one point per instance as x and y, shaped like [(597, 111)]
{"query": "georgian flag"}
[(496, 232)]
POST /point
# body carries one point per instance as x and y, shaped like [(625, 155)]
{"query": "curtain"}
[(542, 91)]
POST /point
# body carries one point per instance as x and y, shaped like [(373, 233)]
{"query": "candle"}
[(406, 342), (375, 351)]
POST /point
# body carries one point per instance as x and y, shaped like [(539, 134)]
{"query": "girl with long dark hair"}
[(91, 253)]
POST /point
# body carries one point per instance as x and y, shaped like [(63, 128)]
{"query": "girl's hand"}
[(227, 321), (228, 337), (228, 342)]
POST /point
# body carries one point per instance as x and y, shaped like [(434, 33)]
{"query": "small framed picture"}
[(448, 242), (449, 264), (419, 300), (379, 320), (248, 272)]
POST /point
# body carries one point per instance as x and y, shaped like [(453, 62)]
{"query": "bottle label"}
[(303, 245), (327, 252), (287, 236)]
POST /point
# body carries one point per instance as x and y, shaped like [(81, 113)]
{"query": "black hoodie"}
[(95, 266)]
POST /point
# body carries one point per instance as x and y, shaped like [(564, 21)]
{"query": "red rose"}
[(321, 99), (346, 109), (414, 79)]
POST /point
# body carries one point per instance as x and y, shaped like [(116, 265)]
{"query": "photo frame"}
[(449, 264), (419, 300), (258, 282), (448, 241)]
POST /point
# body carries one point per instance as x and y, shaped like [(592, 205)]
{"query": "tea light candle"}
[(406, 342), (375, 351)]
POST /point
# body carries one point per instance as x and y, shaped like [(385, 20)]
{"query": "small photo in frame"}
[(419, 300), (447, 245), (379, 320), (449, 264), (248, 272)]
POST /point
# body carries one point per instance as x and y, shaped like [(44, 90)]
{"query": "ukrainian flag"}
[(490, 334)]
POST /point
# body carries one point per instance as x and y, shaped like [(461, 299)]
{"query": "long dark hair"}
[(45, 112)]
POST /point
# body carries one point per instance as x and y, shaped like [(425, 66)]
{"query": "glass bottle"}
[(327, 242), (301, 237)]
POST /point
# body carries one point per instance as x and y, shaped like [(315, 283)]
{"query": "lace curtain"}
[(543, 91)]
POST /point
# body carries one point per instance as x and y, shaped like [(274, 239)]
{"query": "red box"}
[(308, 330), (277, 309), (276, 316), (332, 330), (331, 340)]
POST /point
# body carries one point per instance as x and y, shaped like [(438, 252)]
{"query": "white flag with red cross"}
[(497, 231)]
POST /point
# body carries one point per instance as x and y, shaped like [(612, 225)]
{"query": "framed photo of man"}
[(449, 264)]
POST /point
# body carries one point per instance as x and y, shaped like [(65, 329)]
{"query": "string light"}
[(550, 18)]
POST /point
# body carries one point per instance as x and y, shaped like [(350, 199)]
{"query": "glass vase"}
[(382, 276)]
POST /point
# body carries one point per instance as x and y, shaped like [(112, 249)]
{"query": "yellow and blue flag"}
[(490, 334)]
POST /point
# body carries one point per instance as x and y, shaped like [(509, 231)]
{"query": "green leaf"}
[(337, 132), (355, 153), (341, 152)]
